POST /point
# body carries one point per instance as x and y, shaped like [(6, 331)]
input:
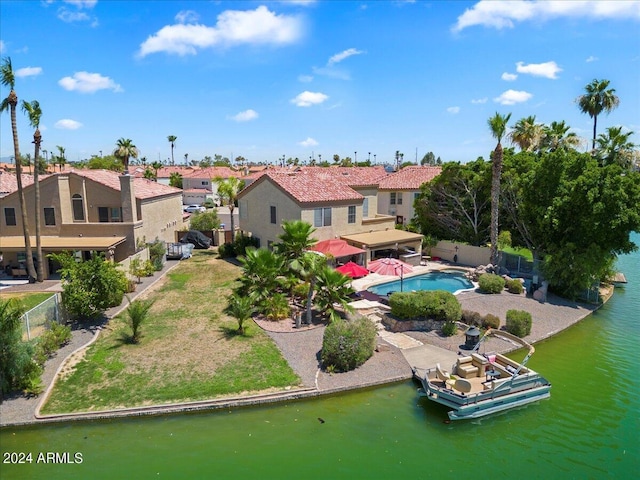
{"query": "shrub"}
[(518, 323), (137, 313), (491, 283), (226, 250), (157, 251), (347, 344), (50, 341), (276, 307), (471, 318), (490, 321), (504, 239), (514, 286), (205, 221), (238, 247), (449, 328), (436, 304)]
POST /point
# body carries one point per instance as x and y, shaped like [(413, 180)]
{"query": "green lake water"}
[(588, 429)]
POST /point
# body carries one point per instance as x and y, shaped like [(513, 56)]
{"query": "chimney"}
[(128, 199)]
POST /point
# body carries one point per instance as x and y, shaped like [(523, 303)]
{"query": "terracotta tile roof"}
[(351, 176), (9, 182), (410, 178), (212, 172), (143, 188)]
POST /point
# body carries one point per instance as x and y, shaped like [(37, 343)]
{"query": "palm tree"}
[(295, 239), (615, 147), (8, 79), (557, 137), (125, 149), (156, 166), (498, 127), (137, 313), (262, 274), (61, 160), (228, 190), (527, 134), (241, 308), (596, 100), (172, 139), (34, 112), (307, 266), (333, 290)]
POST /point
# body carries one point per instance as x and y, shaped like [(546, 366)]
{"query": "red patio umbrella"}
[(390, 266), (353, 270)]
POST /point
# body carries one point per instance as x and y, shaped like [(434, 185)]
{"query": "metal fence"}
[(517, 264), (37, 320)]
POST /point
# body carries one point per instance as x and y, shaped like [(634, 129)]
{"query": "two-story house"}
[(90, 210)]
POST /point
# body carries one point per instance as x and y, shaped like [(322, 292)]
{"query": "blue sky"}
[(300, 78)]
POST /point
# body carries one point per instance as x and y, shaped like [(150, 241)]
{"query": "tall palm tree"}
[(308, 266), (34, 112), (597, 99), (295, 239), (156, 166), (527, 134), (124, 150), (172, 140), (615, 147), (61, 159), (8, 79), (556, 136), (498, 127), (228, 190)]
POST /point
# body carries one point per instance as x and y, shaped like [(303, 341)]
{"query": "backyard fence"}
[(37, 320)]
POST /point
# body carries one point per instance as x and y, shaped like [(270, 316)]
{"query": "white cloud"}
[(511, 97), (28, 72), (233, 27), (477, 101), (82, 3), (338, 57), (547, 69), (67, 124), (509, 77), (2, 46), (309, 142), (592, 59), (453, 110), (69, 16), (307, 99), (245, 116), (505, 14), (85, 82), (305, 78), (187, 16)]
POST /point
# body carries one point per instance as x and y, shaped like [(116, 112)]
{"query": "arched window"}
[(78, 207)]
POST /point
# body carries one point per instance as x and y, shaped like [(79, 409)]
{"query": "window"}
[(272, 211), (322, 217), (396, 198), (365, 208), (109, 214), (116, 214), (10, 216), (392, 200), (49, 216), (416, 196), (78, 207), (205, 182), (399, 198), (351, 215), (103, 214)]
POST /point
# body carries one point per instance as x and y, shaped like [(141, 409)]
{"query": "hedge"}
[(518, 323), (491, 283), (347, 344), (434, 304)]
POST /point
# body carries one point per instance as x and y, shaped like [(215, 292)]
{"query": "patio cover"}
[(336, 248), (62, 243), (373, 240)]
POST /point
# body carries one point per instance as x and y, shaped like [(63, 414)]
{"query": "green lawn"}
[(28, 300), (189, 349), (523, 252)]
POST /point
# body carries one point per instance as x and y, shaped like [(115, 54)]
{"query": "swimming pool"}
[(451, 281)]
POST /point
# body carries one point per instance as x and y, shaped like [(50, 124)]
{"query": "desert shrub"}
[(50, 341), (471, 318), (490, 321), (226, 250), (449, 328), (300, 291), (491, 283), (157, 251), (137, 313), (437, 305), (518, 323), (276, 307), (514, 286), (347, 344)]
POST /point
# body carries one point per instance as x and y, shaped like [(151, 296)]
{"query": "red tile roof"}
[(9, 182), (410, 178), (212, 172), (143, 188), (351, 176)]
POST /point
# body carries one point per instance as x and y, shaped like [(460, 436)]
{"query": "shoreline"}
[(388, 365)]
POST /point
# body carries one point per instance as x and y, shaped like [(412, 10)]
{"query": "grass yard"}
[(189, 349), (28, 300), (523, 252)]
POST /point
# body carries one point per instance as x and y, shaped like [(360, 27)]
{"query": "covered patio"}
[(406, 246)]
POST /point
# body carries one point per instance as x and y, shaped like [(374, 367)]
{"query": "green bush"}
[(504, 239), (226, 250), (514, 286), (490, 321), (449, 328), (238, 247), (276, 307), (50, 341), (347, 344), (205, 221), (157, 251), (518, 323), (491, 283), (436, 304), (471, 318)]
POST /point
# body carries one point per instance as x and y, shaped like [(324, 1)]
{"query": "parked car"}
[(194, 208)]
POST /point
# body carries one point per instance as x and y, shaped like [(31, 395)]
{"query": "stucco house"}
[(398, 191), (90, 210)]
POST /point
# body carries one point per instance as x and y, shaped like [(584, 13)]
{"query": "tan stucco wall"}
[(406, 209)]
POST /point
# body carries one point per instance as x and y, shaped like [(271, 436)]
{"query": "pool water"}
[(448, 281)]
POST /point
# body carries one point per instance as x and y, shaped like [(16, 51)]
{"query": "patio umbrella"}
[(390, 266), (353, 270)]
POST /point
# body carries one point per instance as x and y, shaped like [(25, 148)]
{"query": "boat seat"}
[(462, 385), (465, 368)]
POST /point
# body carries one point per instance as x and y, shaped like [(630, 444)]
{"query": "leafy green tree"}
[(109, 162), (172, 140), (597, 98), (428, 159), (125, 149), (498, 127), (137, 313), (34, 112), (17, 366), (241, 308), (204, 221), (615, 147), (295, 239), (175, 180), (8, 79), (91, 286), (228, 190), (333, 292)]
